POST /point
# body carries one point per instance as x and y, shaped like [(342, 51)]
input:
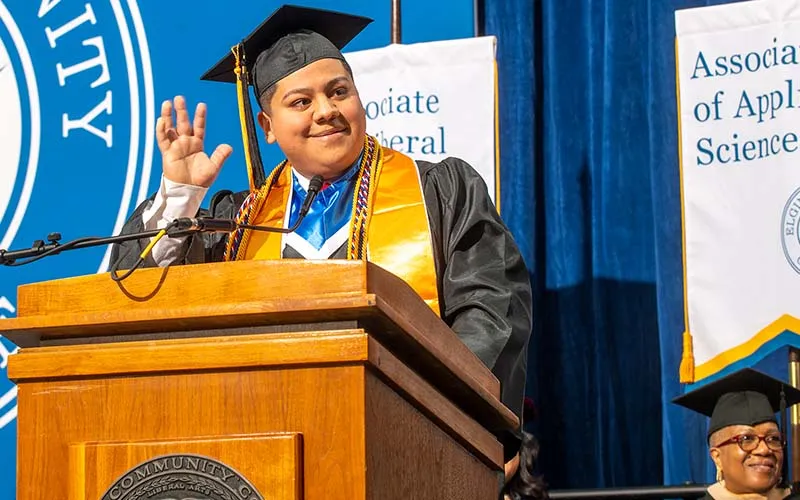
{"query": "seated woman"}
[(745, 442)]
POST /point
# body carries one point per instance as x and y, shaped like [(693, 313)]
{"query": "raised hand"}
[(181, 146)]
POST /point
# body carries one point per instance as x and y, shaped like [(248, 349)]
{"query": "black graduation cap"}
[(745, 397), (290, 39)]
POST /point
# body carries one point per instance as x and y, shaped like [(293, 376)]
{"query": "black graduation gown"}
[(484, 286)]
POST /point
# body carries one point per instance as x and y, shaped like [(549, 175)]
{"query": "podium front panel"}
[(325, 405), (254, 467)]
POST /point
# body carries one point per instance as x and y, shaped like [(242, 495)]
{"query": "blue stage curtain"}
[(590, 188)]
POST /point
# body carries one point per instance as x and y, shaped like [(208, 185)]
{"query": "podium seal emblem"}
[(182, 477)]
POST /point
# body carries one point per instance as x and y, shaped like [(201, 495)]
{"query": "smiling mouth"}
[(762, 467), (329, 133)]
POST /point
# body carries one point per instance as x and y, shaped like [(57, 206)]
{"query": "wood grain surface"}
[(263, 293), (271, 464), (195, 285), (410, 458), (325, 405), (399, 377)]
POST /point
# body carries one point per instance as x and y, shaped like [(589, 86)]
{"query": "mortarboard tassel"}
[(785, 434), (255, 169)]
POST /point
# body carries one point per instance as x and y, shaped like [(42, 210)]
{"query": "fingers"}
[(184, 127), (161, 135), (222, 153), (168, 130), (166, 114), (164, 136), (163, 123), (199, 123)]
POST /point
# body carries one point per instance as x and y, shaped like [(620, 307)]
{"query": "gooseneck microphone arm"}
[(189, 225), (179, 227), (40, 249)]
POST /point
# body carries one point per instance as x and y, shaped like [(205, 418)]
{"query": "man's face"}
[(317, 119), (755, 471)]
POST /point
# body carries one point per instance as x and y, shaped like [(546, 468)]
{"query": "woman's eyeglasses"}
[(749, 442)]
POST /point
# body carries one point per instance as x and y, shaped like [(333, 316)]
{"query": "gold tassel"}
[(687, 360), (252, 155)]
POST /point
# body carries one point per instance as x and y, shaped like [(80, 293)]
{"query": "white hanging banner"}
[(739, 92), (433, 100)]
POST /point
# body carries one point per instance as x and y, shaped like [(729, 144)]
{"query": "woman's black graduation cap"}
[(745, 397), (291, 38)]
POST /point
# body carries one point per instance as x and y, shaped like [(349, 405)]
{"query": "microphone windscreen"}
[(316, 183)]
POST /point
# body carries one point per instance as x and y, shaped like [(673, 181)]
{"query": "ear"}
[(266, 124), (715, 457)]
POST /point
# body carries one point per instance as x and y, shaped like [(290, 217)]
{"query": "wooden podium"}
[(246, 380)]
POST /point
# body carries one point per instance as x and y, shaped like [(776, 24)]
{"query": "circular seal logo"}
[(76, 139), (182, 477), (790, 230)]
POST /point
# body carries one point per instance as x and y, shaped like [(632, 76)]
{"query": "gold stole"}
[(388, 212)]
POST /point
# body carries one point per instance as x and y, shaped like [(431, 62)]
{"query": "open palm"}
[(181, 145)]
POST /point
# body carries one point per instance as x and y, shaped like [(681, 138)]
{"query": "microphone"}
[(204, 225), (314, 187), (186, 225)]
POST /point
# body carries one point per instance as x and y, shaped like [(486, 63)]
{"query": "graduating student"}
[(745, 442), (431, 224)]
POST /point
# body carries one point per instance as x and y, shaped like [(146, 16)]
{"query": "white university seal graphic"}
[(790, 230), (76, 137), (76, 96), (182, 477)]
